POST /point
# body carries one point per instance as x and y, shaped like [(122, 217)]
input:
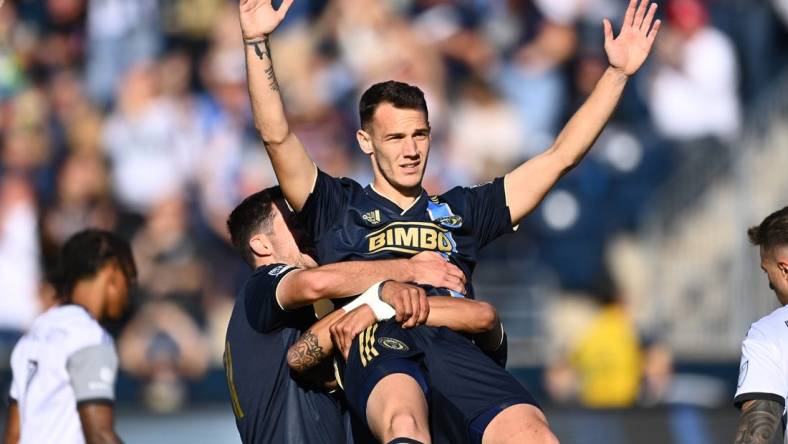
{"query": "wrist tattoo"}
[(261, 51)]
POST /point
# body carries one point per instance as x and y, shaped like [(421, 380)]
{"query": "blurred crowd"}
[(133, 116)]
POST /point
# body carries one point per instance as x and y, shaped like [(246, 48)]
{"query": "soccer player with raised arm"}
[(274, 311), (393, 216), (64, 368), (763, 375)]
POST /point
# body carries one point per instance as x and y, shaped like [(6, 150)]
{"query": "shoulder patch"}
[(452, 221), (276, 271)]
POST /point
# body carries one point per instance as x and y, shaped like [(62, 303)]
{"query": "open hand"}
[(259, 18), (627, 52), (431, 268)]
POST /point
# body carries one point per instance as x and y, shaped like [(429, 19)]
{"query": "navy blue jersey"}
[(351, 222), (269, 405)]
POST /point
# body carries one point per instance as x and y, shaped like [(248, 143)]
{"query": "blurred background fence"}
[(633, 278)]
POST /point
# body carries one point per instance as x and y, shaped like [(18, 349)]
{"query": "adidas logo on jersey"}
[(373, 217)]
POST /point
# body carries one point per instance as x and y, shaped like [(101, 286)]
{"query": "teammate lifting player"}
[(274, 310), (393, 216)]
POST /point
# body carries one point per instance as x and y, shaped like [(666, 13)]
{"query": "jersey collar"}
[(391, 204)]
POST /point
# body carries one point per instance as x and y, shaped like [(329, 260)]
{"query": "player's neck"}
[(88, 294), (403, 198)]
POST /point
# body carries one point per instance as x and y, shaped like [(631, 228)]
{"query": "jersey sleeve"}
[(761, 373), (324, 204), (491, 217), (92, 371), (13, 391), (262, 308)]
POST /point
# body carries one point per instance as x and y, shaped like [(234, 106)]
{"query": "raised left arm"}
[(528, 184)]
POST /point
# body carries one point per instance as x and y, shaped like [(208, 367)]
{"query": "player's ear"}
[(781, 257), (261, 245), (364, 141)]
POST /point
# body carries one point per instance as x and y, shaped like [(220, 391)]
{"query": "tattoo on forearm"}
[(272, 83), (758, 422), (262, 50), (305, 353)]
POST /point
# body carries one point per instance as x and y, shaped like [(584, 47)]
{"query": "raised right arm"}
[(293, 167)]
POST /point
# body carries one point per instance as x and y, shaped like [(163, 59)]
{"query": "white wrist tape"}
[(371, 297)]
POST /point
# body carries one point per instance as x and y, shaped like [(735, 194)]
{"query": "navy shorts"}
[(465, 388)]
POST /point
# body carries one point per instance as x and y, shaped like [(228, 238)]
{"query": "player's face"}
[(777, 272), (284, 243), (116, 292), (400, 144)]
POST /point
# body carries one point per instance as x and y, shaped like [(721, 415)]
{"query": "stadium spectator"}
[(163, 343), (20, 270), (82, 200), (120, 34), (485, 136), (142, 139), (602, 364), (694, 92)]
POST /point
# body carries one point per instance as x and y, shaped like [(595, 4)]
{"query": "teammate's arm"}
[(528, 184), (304, 287), (96, 419), (463, 315), (340, 328), (759, 421), (12, 424), (294, 169)]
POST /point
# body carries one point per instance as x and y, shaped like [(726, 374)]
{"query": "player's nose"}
[(410, 149)]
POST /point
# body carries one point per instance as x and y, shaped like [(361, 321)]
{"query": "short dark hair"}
[(253, 215), (399, 94), (85, 254), (772, 232)]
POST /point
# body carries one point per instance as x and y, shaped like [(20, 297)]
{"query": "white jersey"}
[(66, 358), (763, 373)]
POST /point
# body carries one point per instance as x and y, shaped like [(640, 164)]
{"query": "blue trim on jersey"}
[(442, 214)]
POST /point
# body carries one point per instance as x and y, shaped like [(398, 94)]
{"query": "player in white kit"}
[(64, 368), (763, 374)]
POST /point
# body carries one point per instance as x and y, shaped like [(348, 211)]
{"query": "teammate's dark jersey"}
[(351, 222), (269, 405)]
